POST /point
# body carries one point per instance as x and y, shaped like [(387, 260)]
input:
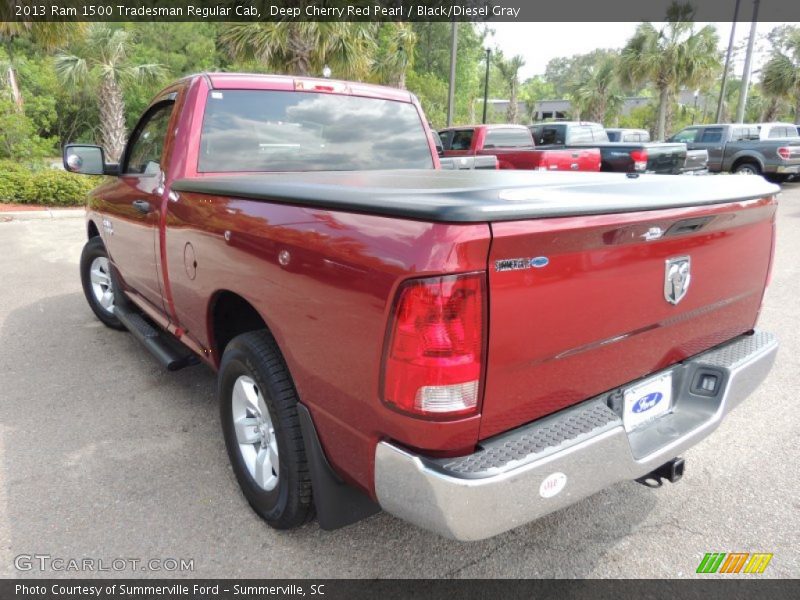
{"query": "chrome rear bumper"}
[(510, 479)]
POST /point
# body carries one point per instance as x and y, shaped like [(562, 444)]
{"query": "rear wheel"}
[(258, 409), (747, 168), (97, 281)]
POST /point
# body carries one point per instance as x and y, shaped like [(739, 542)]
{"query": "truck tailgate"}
[(572, 159), (579, 306), (665, 158)]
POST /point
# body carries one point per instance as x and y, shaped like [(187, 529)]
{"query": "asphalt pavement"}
[(104, 456)]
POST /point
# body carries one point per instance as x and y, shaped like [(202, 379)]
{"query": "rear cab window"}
[(552, 134), (265, 130), (598, 133), (580, 134), (461, 139), (508, 138), (711, 135), (686, 136)]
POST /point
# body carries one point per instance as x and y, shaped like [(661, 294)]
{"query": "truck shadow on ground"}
[(106, 455)]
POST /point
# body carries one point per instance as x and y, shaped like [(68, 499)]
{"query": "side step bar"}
[(166, 348)]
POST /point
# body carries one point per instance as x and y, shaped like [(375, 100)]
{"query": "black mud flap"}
[(337, 503)]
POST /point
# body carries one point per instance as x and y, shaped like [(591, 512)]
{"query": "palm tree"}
[(397, 54), (102, 61), (670, 58), (304, 48), (598, 92), (781, 75), (509, 71)]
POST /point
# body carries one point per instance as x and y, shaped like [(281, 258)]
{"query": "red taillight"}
[(434, 355), (785, 153), (639, 160)]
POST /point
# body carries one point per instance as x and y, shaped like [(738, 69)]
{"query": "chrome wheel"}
[(255, 433), (746, 170), (103, 289)]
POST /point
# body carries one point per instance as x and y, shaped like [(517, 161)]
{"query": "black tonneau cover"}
[(480, 196)]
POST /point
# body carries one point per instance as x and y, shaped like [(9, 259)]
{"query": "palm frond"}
[(71, 70)]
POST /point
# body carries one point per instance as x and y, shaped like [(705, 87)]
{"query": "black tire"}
[(256, 355), (92, 251), (747, 167)]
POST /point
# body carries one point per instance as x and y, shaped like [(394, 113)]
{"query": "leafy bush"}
[(49, 187), (17, 136), (15, 181)]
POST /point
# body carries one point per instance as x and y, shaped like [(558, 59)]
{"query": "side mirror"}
[(439, 148), (87, 160)]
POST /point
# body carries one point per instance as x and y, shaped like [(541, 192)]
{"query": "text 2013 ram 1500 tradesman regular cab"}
[(468, 350)]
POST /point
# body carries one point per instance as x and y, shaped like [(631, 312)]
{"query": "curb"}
[(33, 215)]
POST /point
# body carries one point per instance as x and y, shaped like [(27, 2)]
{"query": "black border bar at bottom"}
[(734, 588)]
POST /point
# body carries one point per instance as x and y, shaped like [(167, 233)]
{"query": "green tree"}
[(102, 62), (46, 35), (18, 141), (509, 71), (670, 58), (304, 48), (534, 90), (395, 55), (780, 78), (432, 63), (597, 95)]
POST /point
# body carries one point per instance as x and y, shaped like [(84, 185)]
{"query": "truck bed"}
[(480, 196)]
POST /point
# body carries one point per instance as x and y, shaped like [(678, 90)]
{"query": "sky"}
[(539, 42)]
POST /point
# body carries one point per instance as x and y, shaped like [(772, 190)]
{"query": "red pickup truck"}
[(468, 350), (514, 148)]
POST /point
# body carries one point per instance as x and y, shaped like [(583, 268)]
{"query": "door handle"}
[(143, 206)]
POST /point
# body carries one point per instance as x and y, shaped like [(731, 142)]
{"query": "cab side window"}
[(147, 143)]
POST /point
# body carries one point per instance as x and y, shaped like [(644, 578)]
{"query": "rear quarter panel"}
[(328, 308)]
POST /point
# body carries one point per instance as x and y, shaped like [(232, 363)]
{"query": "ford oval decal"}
[(539, 262), (645, 403)]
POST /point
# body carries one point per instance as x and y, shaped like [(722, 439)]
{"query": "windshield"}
[(250, 130)]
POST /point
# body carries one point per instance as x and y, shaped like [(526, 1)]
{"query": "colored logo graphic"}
[(645, 403), (734, 562)]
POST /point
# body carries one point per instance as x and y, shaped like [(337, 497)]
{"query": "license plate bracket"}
[(646, 401)]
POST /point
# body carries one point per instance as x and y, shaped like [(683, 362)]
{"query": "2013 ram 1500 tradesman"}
[(468, 350)]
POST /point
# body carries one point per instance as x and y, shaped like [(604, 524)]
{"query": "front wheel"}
[(97, 281), (258, 409)]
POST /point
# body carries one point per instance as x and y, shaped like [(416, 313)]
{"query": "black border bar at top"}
[(387, 10)]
